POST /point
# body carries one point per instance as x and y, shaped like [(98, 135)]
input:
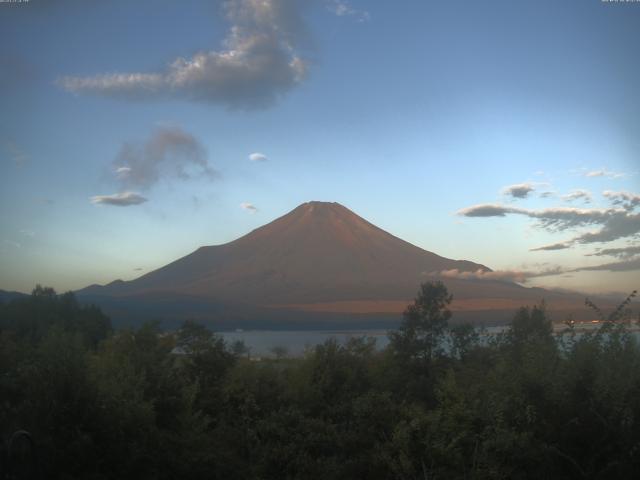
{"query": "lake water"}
[(262, 342)]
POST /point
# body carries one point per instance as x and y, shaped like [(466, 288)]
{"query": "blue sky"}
[(409, 113)]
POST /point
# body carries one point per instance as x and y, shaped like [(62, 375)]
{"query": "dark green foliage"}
[(530, 325), (31, 318), (425, 323), (440, 402)]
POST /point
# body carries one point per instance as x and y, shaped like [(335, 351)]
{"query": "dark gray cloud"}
[(618, 225), (523, 276), (622, 252), (561, 218), (554, 246), (259, 62), (617, 222), (169, 152), (519, 190), (626, 200), (123, 199), (487, 210), (626, 266)]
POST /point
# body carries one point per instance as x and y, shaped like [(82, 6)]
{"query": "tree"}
[(531, 325), (422, 331), (464, 338)]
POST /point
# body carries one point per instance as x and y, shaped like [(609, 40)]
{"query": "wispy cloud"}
[(258, 157), (488, 210), (250, 207), (552, 247), (578, 194), (621, 252), (519, 190), (618, 222), (626, 266), (124, 199), (11, 243), (123, 172), (627, 200), (17, 155), (603, 172), (520, 276), (342, 8), (523, 276), (257, 64), (169, 152)]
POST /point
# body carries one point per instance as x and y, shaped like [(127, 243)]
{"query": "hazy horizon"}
[(506, 134)]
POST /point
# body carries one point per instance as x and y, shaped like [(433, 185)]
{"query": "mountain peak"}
[(318, 206), (319, 251)]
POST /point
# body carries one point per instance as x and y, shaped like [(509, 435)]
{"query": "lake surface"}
[(262, 342)]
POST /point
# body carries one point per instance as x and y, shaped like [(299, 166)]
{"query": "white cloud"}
[(123, 172), (124, 199), (259, 63), (250, 207), (258, 157), (519, 190)]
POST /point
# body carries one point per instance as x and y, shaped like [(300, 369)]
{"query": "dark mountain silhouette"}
[(320, 257), (7, 296)]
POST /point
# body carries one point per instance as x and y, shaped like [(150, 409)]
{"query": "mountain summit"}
[(320, 257)]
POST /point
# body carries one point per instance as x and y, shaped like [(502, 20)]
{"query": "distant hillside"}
[(6, 296)]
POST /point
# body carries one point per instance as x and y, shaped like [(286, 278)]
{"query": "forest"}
[(441, 401)]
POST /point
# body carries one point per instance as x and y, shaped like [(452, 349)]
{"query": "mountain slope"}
[(317, 252), (320, 257)]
